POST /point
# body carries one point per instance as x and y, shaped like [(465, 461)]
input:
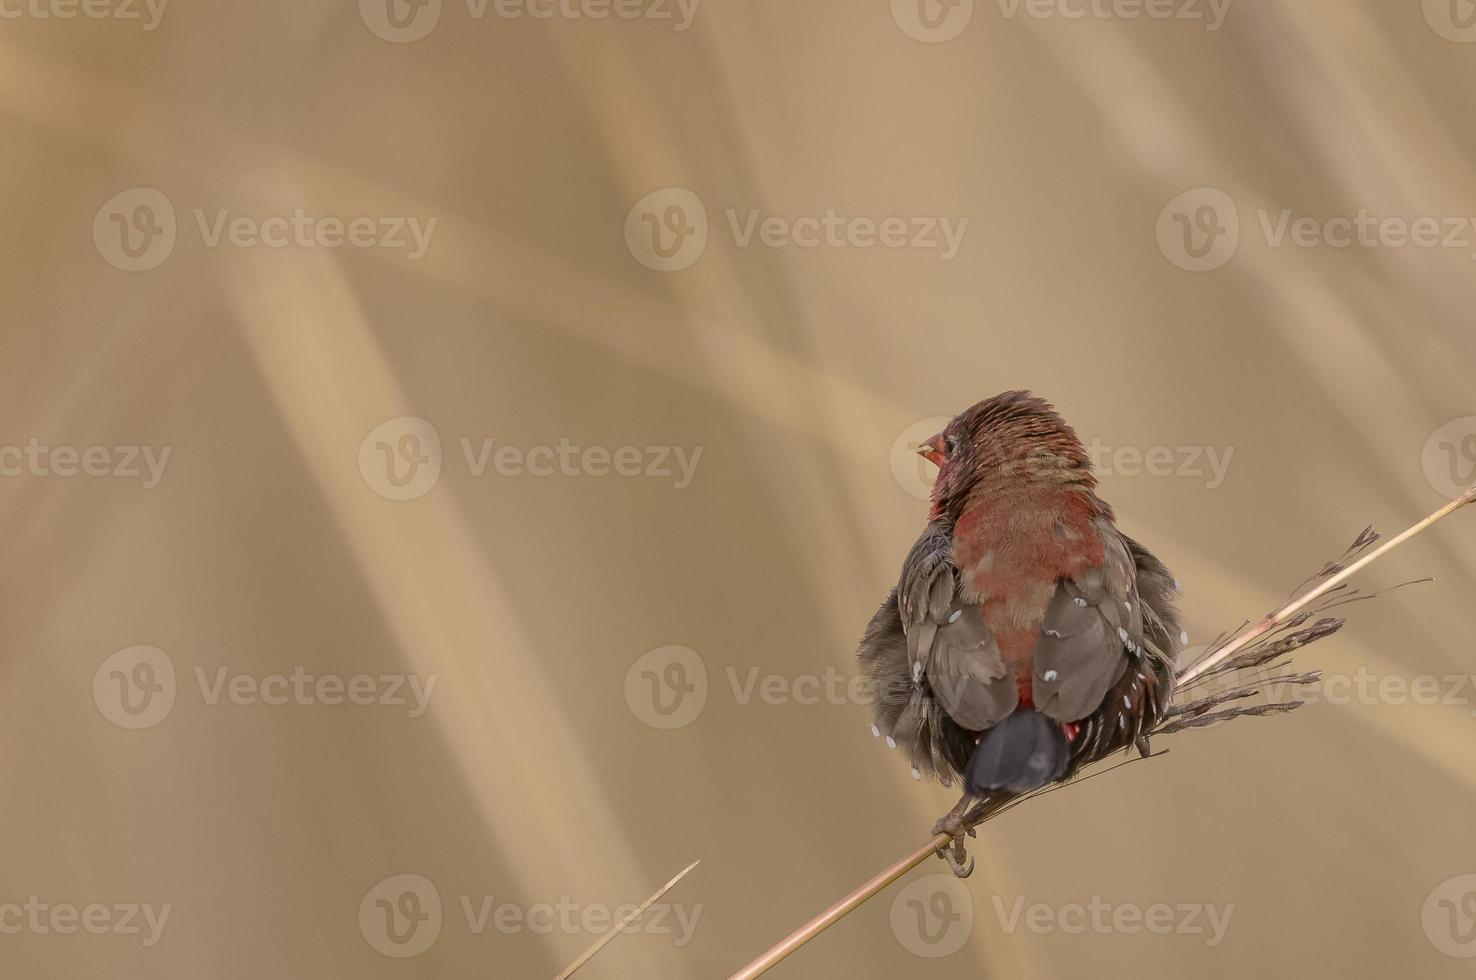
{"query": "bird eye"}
[(952, 443)]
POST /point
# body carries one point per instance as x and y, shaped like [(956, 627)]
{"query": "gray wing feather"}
[(968, 675), (1092, 626), (948, 646), (933, 679)]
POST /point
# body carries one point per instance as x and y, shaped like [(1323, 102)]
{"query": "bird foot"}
[(955, 853)]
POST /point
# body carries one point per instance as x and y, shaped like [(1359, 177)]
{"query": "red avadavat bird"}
[(1025, 629)]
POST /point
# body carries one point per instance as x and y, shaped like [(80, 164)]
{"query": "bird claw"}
[(954, 852), (957, 857)]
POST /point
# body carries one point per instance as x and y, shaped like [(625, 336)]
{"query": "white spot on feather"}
[(917, 672), (1079, 601), (916, 774), (1050, 675), (891, 742), (1128, 606), (1127, 702), (1122, 633), (956, 613), (1184, 637), (875, 732)]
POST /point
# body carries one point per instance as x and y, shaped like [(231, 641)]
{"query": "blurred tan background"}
[(247, 482)]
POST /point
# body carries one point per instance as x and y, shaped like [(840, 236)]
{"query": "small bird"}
[(1026, 632)]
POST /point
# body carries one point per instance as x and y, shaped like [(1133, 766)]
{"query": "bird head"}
[(1011, 439)]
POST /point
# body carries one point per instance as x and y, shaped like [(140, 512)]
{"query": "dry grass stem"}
[(1242, 658), (630, 917)]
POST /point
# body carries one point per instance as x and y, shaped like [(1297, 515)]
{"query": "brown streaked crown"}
[(1008, 438)]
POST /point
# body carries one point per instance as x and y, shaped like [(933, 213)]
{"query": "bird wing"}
[(949, 647), (1092, 632), (933, 679)]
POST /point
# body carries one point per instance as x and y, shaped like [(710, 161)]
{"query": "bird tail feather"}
[(1020, 754)]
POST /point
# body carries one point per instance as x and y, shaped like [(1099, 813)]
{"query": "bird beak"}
[(932, 450)]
